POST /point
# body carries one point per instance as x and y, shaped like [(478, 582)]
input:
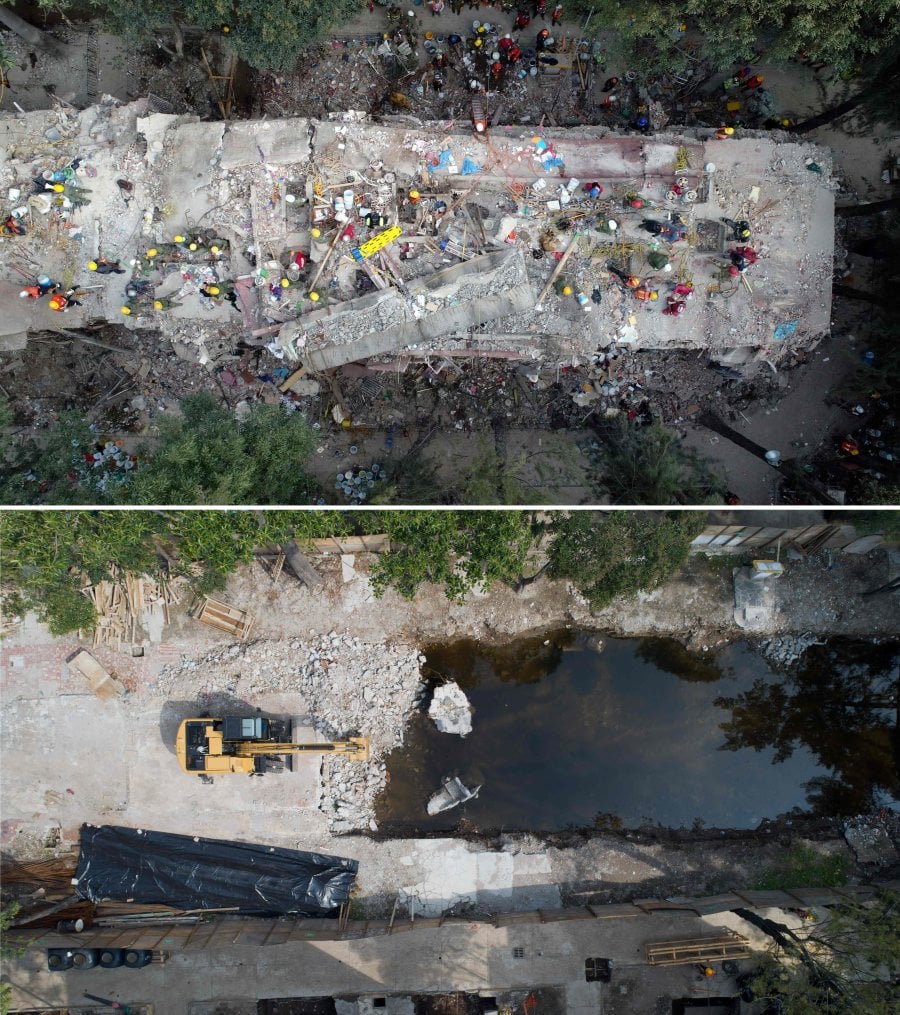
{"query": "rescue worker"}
[(556, 15), (674, 307), (743, 258), (610, 84), (593, 189), (540, 43), (42, 287), (646, 295), (63, 302), (103, 266), (522, 21), (164, 303), (540, 9), (514, 55)]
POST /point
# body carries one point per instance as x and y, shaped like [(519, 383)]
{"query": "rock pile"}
[(346, 685), (450, 709), (784, 652)]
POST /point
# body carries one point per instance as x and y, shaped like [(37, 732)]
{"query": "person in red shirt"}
[(523, 20), (673, 307), (556, 15), (753, 82), (505, 43), (514, 55), (540, 9), (541, 41)]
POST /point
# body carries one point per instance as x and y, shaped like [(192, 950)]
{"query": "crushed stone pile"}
[(785, 652), (346, 685)]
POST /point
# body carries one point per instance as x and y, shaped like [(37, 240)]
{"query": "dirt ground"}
[(441, 405)]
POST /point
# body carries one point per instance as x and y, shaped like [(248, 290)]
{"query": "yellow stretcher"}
[(372, 246)]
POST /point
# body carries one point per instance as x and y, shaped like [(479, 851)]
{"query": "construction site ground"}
[(677, 384), (50, 789)]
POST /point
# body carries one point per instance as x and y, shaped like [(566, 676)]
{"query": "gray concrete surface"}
[(471, 957)]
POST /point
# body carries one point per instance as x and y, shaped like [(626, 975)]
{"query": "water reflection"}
[(841, 705), (564, 735)]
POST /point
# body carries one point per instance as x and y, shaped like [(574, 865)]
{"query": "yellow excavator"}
[(234, 744)]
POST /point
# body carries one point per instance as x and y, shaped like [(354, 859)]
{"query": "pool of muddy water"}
[(637, 732)]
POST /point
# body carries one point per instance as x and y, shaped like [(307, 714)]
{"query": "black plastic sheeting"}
[(132, 865)]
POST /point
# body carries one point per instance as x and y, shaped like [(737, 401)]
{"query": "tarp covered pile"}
[(134, 865)]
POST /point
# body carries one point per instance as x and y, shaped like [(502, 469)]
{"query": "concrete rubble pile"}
[(450, 710), (342, 241), (343, 686)]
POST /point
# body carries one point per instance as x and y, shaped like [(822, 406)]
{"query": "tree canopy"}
[(847, 964), (648, 465), (202, 456), (841, 33), (46, 557), (267, 36), (620, 553), (460, 550)]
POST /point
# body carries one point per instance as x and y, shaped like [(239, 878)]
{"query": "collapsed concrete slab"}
[(472, 257), (447, 303)]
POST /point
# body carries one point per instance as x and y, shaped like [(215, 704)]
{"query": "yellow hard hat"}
[(478, 42), (226, 29), (414, 194), (285, 282), (729, 130), (213, 290), (93, 266), (58, 187), (214, 249), (125, 310), (654, 296), (178, 239), (152, 252), (157, 305), (315, 233), (192, 246), (314, 296), (567, 290)]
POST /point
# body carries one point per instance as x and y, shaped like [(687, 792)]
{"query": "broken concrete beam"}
[(301, 566), (447, 302)]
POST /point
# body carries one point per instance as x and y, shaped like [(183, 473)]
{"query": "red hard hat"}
[(733, 271)]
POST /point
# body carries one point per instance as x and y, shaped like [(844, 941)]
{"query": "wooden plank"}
[(335, 545), (301, 566), (707, 949), (98, 679)]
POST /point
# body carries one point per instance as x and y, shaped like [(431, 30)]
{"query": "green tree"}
[(612, 555), (47, 557), (842, 33), (267, 36), (7, 951), (205, 456), (491, 479), (648, 465), (459, 550), (845, 965)]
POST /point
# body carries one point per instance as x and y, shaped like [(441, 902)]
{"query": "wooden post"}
[(557, 271)]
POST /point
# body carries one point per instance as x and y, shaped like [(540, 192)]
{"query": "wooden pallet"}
[(225, 617), (98, 679), (703, 949)]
